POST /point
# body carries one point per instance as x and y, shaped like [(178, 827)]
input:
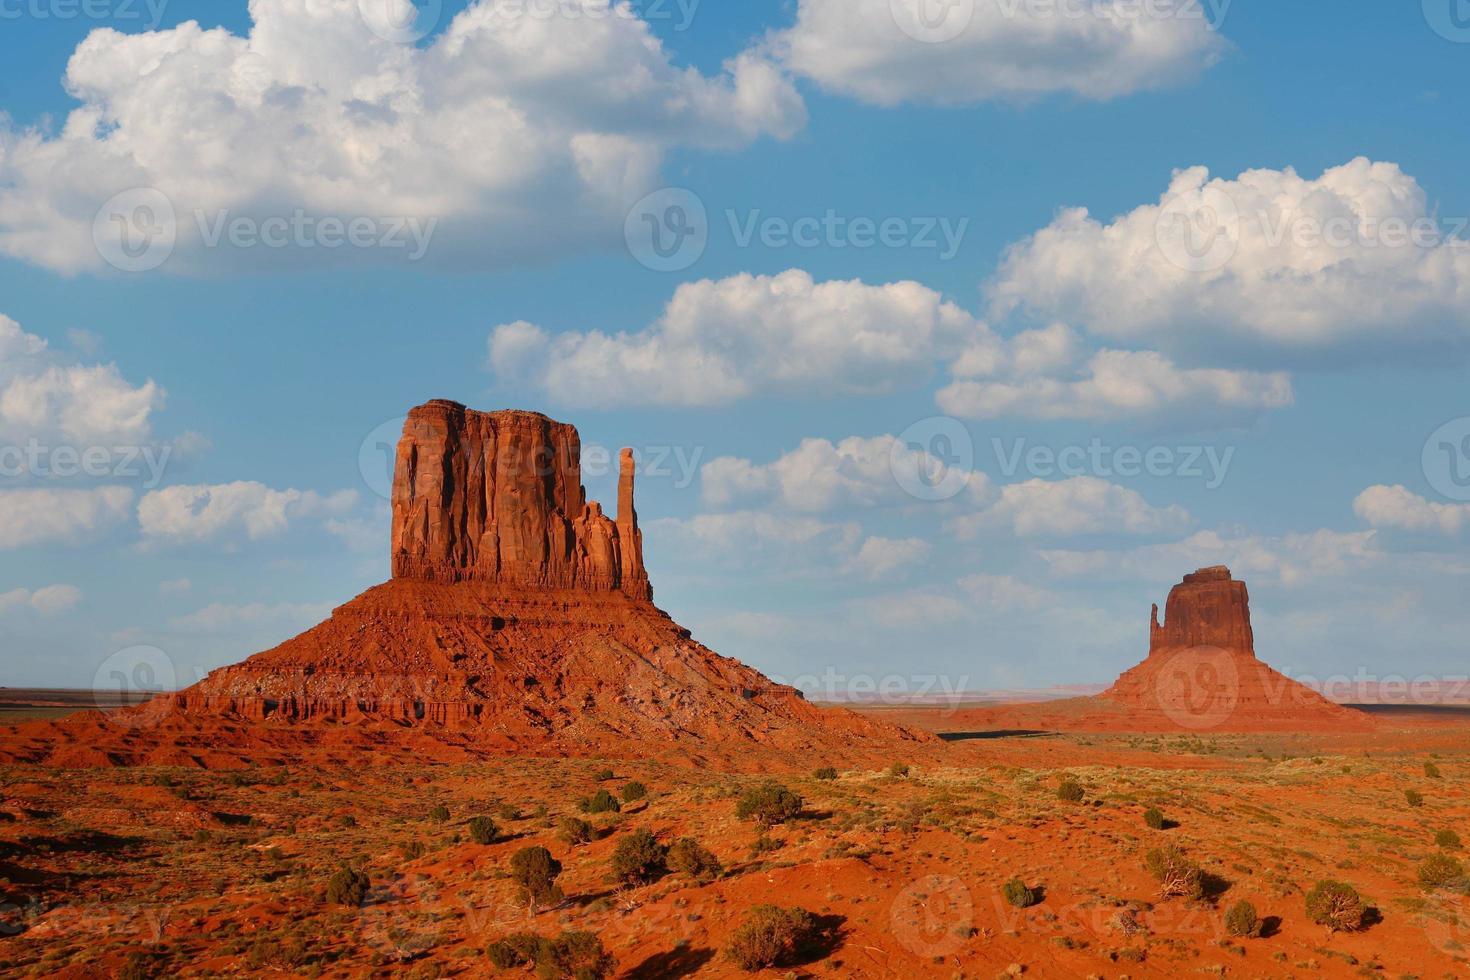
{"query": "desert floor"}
[(164, 872)]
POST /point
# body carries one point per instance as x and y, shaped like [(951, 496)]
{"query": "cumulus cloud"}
[(888, 52), (46, 397), (523, 134), (1076, 506), (223, 617), (880, 558), (820, 475), (198, 513), (1289, 559), (786, 544), (30, 517), (48, 601), (1400, 508), (1006, 592), (1267, 261), (1042, 376), (722, 340)]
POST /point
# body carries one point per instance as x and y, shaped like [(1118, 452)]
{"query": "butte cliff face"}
[(1202, 672), (497, 497), (519, 619)]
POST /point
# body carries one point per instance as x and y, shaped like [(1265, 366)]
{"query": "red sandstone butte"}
[(519, 618)]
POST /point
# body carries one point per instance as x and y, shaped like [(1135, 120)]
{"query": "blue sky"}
[(1321, 368)]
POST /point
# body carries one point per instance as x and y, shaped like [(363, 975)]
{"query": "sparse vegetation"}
[(768, 804), (1153, 818), (483, 830), (825, 772), (1070, 790), (1177, 874), (770, 936), (440, 814), (1241, 920), (1431, 771), (688, 857), (634, 791), (347, 886), (1018, 893), (639, 858), (536, 871), (1337, 906), (1440, 870), (898, 770), (1413, 797), (570, 956), (601, 802), (574, 831), (1448, 839)]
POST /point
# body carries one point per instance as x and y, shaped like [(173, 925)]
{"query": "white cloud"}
[(916, 608), (223, 617), (176, 586), (1006, 592), (1290, 559), (524, 134), (880, 558), (820, 475), (1279, 263), (1398, 507), (181, 514), (993, 49), (722, 340), (32, 517), (47, 601), (1063, 508), (44, 397), (1112, 384)]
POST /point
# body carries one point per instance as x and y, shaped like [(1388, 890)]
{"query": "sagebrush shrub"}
[(634, 791), (570, 956), (1018, 893), (825, 772), (1070, 790), (1448, 839), (1440, 869), (1336, 905), (347, 886), (574, 831), (483, 830), (898, 769), (439, 814), (768, 804), (1241, 920), (770, 936), (1153, 817), (1413, 797), (601, 802), (535, 871), (1431, 770), (639, 858), (1177, 874), (687, 856)]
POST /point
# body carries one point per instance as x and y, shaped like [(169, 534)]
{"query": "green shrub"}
[(139, 966), (440, 813), (605, 775), (1438, 870), (347, 886), (634, 791), (825, 772), (1448, 839), (1019, 894), (574, 831), (688, 857), (1337, 906), (483, 830), (639, 858), (1431, 770), (768, 804), (1153, 817), (1414, 797), (1070, 790), (1177, 874), (1241, 920), (898, 769), (570, 956), (535, 871), (601, 802), (770, 936), (412, 850)]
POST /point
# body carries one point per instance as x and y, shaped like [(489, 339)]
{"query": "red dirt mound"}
[(519, 619)]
